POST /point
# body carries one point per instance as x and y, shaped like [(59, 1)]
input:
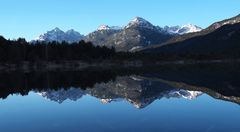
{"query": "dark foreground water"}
[(202, 98)]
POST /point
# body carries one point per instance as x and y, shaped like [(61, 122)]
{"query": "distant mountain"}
[(221, 39), (206, 31), (138, 33), (59, 36), (189, 28)]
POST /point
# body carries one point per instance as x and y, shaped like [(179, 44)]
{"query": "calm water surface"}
[(170, 100)]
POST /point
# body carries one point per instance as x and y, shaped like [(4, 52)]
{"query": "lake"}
[(171, 98)]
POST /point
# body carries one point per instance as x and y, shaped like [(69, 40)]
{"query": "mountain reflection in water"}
[(137, 90), (140, 86)]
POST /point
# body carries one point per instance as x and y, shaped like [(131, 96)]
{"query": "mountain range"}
[(219, 39), (138, 33)]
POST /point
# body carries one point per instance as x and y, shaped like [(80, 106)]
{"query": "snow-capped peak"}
[(172, 30), (55, 31), (50, 35), (106, 27), (103, 27), (138, 21), (188, 28), (58, 35)]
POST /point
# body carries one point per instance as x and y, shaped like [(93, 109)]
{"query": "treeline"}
[(21, 50)]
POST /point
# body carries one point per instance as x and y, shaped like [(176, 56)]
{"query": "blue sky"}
[(29, 18)]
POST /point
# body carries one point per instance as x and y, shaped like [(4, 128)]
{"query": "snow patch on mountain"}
[(188, 28), (233, 20), (139, 22), (103, 27), (135, 48), (106, 27), (190, 95), (58, 35)]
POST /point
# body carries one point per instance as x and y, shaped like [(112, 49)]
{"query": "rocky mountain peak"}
[(56, 29), (103, 27), (139, 22), (58, 35)]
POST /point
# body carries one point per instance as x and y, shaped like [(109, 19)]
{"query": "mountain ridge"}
[(209, 29), (222, 43), (138, 33), (59, 35)]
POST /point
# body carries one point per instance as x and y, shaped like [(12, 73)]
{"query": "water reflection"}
[(140, 86), (135, 89)]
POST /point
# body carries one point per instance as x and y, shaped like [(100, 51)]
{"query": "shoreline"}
[(80, 65)]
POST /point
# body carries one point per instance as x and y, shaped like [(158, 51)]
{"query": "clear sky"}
[(29, 18)]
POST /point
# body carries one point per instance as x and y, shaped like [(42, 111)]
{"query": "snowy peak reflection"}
[(137, 90), (61, 95)]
